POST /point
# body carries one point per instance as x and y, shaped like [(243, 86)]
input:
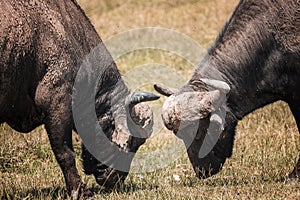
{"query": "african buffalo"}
[(255, 61), (43, 46)]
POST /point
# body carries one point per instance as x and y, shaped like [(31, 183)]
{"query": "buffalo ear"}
[(166, 91)]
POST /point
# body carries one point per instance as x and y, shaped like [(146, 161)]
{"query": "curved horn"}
[(221, 85), (138, 97), (164, 90)]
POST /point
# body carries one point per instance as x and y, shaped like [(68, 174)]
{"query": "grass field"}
[(267, 142)]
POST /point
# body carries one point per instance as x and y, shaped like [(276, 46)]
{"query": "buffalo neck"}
[(246, 57), (112, 93)]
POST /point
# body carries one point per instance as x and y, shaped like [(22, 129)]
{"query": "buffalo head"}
[(196, 113), (126, 125)]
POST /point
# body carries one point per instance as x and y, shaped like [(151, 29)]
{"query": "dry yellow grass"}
[(266, 145)]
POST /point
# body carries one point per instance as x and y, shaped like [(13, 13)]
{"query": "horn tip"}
[(155, 96), (164, 91), (157, 86), (138, 97)]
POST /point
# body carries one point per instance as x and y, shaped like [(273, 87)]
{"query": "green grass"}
[(267, 142)]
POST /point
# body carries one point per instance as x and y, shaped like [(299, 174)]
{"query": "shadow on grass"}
[(61, 193), (221, 181), (124, 189), (34, 193)]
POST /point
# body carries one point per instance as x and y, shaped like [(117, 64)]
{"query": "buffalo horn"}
[(138, 97), (220, 85), (164, 90)]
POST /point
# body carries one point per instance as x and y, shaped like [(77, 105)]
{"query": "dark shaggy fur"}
[(258, 55), (42, 45)]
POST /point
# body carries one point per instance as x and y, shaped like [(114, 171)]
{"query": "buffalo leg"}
[(295, 108), (59, 129)]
